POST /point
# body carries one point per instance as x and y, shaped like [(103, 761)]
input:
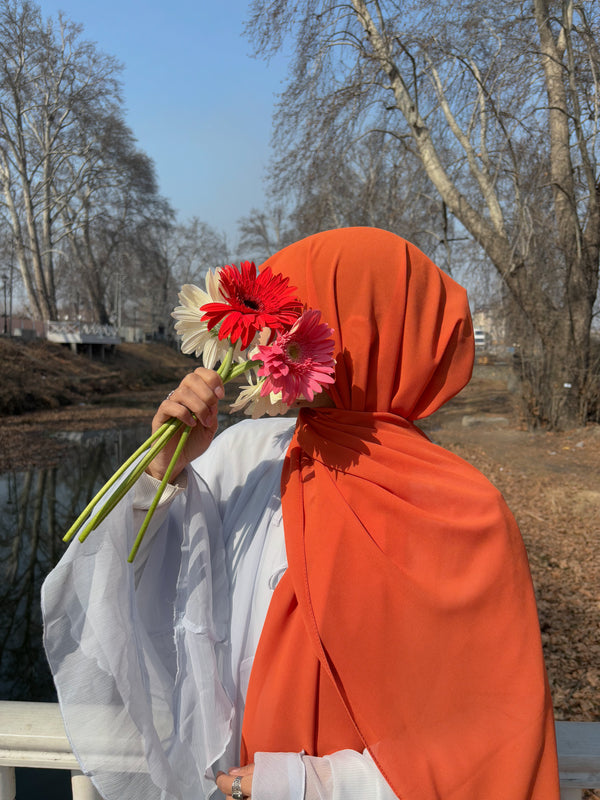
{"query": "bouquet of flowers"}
[(250, 323)]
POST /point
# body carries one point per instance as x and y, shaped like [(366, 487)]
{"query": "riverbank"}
[(40, 375)]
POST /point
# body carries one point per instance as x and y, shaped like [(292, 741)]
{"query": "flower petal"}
[(300, 361)]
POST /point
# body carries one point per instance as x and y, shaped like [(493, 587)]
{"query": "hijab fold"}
[(406, 622)]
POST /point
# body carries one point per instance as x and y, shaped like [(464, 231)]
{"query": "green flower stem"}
[(159, 493), (131, 479), (85, 513), (239, 369), (225, 365), (151, 447), (227, 373)]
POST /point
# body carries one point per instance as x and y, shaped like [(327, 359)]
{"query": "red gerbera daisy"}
[(252, 302)]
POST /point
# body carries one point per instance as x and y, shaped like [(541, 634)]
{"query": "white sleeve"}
[(135, 662), (278, 776), (143, 495), (345, 775)]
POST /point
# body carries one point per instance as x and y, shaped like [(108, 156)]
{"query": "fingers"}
[(195, 400), (247, 770), (225, 780)]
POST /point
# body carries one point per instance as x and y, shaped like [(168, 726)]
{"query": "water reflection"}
[(38, 506)]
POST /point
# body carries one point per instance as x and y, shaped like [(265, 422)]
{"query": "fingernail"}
[(220, 392)]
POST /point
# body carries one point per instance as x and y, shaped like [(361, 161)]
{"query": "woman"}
[(337, 606)]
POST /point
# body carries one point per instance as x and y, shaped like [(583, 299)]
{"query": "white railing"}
[(74, 331), (75, 326), (33, 735), (578, 758)]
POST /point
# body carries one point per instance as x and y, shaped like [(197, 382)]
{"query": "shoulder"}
[(243, 453), (269, 435)]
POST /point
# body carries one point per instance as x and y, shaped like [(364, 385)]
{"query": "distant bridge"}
[(69, 332), (91, 337), (74, 333)]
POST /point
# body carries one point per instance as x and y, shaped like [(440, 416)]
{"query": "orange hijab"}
[(406, 621)]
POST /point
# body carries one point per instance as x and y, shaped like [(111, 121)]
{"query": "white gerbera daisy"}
[(253, 404), (195, 336)]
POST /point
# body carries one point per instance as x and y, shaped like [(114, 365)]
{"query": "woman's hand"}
[(195, 402), (225, 781)]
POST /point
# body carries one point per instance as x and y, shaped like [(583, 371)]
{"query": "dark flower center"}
[(294, 351), (251, 304)]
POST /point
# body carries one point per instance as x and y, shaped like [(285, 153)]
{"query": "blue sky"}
[(198, 104)]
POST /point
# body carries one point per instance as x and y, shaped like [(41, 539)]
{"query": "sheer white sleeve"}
[(345, 775), (278, 776), (143, 494)]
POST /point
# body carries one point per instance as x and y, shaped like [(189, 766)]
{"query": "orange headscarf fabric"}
[(406, 621)]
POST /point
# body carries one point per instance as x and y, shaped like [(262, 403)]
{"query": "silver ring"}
[(236, 788), (170, 393)]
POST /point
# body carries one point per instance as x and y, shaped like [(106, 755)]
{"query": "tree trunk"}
[(47, 304), (89, 271), (47, 241)]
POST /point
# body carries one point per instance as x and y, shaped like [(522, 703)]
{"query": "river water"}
[(38, 506)]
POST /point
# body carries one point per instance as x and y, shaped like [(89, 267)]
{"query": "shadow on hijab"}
[(336, 438)]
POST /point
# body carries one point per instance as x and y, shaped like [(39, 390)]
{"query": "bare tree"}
[(372, 183), (49, 81), (112, 200), (193, 248), (362, 185), (262, 233), (499, 104), (169, 254)]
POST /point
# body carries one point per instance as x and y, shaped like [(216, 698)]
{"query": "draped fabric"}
[(406, 621)]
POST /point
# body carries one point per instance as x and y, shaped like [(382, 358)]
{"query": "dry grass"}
[(41, 375)]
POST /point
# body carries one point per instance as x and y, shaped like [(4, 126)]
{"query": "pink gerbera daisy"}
[(299, 361), (251, 303)]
